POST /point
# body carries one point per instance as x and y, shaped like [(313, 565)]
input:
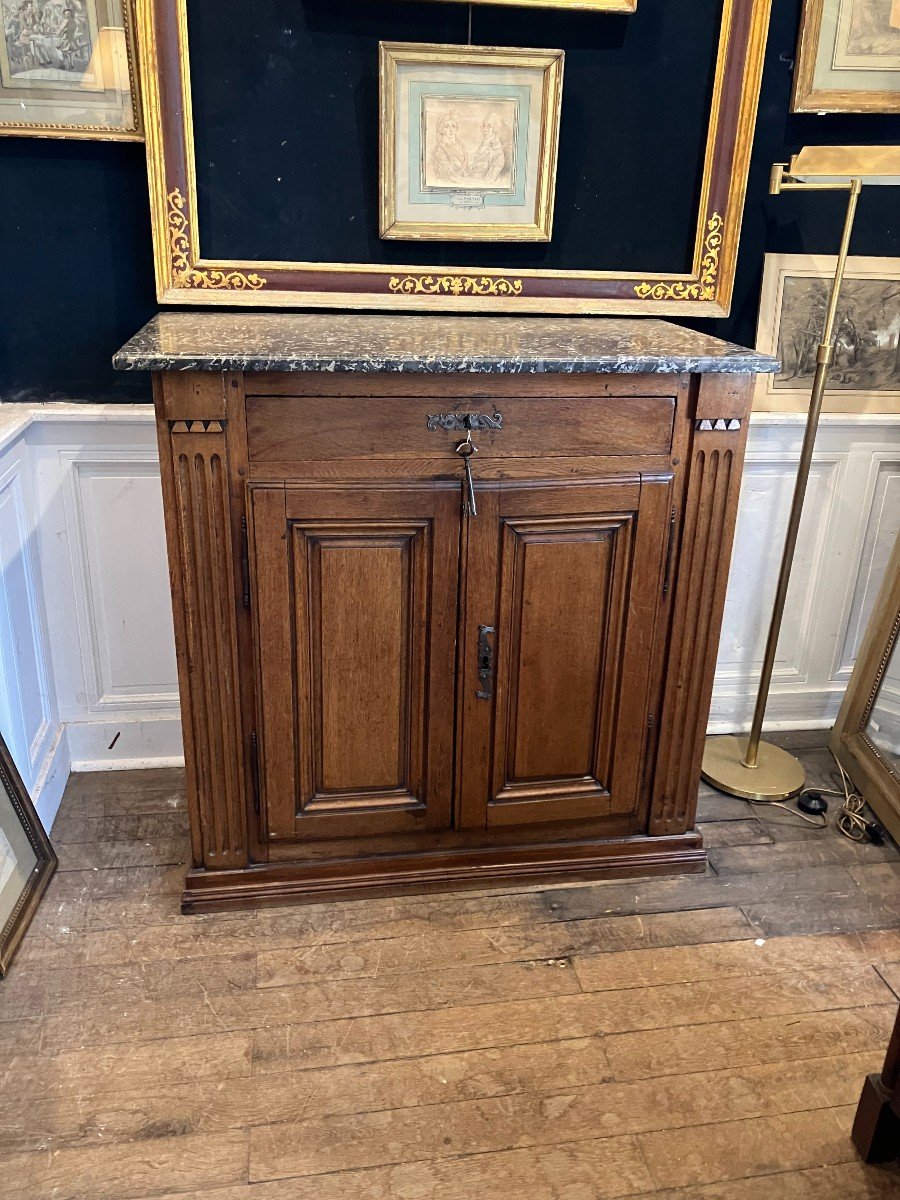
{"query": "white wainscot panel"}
[(122, 584), (850, 517), (106, 573), (26, 713)]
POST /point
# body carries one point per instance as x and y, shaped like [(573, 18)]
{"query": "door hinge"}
[(670, 555), (254, 768), (245, 563)]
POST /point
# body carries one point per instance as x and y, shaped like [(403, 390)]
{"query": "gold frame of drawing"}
[(94, 133), (777, 268), (807, 98), (871, 772), (549, 62), (185, 276)]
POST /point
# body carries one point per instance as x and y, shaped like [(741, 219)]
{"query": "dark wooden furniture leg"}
[(876, 1130)]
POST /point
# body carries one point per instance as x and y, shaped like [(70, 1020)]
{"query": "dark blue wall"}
[(76, 257)]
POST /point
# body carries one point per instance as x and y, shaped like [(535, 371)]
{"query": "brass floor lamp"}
[(747, 766)]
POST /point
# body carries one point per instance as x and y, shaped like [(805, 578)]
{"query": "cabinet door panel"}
[(356, 608), (578, 572)]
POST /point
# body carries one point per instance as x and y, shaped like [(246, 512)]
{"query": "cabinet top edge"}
[(368, 343)]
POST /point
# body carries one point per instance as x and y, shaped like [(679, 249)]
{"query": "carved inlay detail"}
[(705, 287), (455, 285), (718, 424), (198, 427), (184, 273)]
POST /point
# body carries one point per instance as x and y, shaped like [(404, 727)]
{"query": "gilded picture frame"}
[(69, 73), (184, 275), (865, 375), (864, 738), (468, 142), (612, 6), (27, 860), (841, 66)]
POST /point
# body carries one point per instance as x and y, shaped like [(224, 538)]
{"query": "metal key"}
[(465, 450)]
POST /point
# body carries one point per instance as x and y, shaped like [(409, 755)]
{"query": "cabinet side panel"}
[(710, 513), (195, 467)]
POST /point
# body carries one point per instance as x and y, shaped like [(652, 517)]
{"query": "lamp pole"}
[(750, 767)]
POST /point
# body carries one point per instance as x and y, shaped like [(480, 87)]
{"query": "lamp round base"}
[(777, 775)]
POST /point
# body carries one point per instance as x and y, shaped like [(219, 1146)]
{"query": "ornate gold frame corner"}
[(394, 54), (184, 276), (872, 774), (807, 98)]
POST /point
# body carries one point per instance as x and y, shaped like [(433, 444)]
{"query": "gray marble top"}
[(225, 341)]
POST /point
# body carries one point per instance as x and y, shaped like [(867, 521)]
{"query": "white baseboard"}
[(51, 779), (125, 745)]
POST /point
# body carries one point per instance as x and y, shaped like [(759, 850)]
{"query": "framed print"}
[(468, 144), (236, 188), (68, 69), (848, 59), (27, 860), (865, 375)]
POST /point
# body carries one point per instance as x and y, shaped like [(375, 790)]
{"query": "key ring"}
[(468, 447)]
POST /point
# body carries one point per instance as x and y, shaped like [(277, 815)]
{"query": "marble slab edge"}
[(750, 363)]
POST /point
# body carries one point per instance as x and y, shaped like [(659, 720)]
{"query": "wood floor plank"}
[(790, 856), (890, 973), (735, 1149), (317, 1004), (830, 883), (280, 968), (318, 1145), (733, 833), (602, 1169), (843, 1181), (42, 989), (153, 852), (121, 1172), (762, 1039), (71, 828), (143, 1067), (140, 1107), (719, 960)]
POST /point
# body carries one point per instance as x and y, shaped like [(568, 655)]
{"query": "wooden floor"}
[(697, 1038)]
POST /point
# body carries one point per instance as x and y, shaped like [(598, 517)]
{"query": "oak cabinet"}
[(394, 675)]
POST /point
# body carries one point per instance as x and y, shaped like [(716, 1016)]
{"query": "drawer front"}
[(288, 429)]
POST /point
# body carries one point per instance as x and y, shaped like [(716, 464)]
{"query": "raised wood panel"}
[(561, 739), (300, 429), (356, 600)]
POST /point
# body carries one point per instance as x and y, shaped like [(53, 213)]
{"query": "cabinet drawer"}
[(298, 429)]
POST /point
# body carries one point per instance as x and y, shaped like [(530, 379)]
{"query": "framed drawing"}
[(68, 68), (848, 59), (468, 143), (27, 860), (865, 377), (249, 253)]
